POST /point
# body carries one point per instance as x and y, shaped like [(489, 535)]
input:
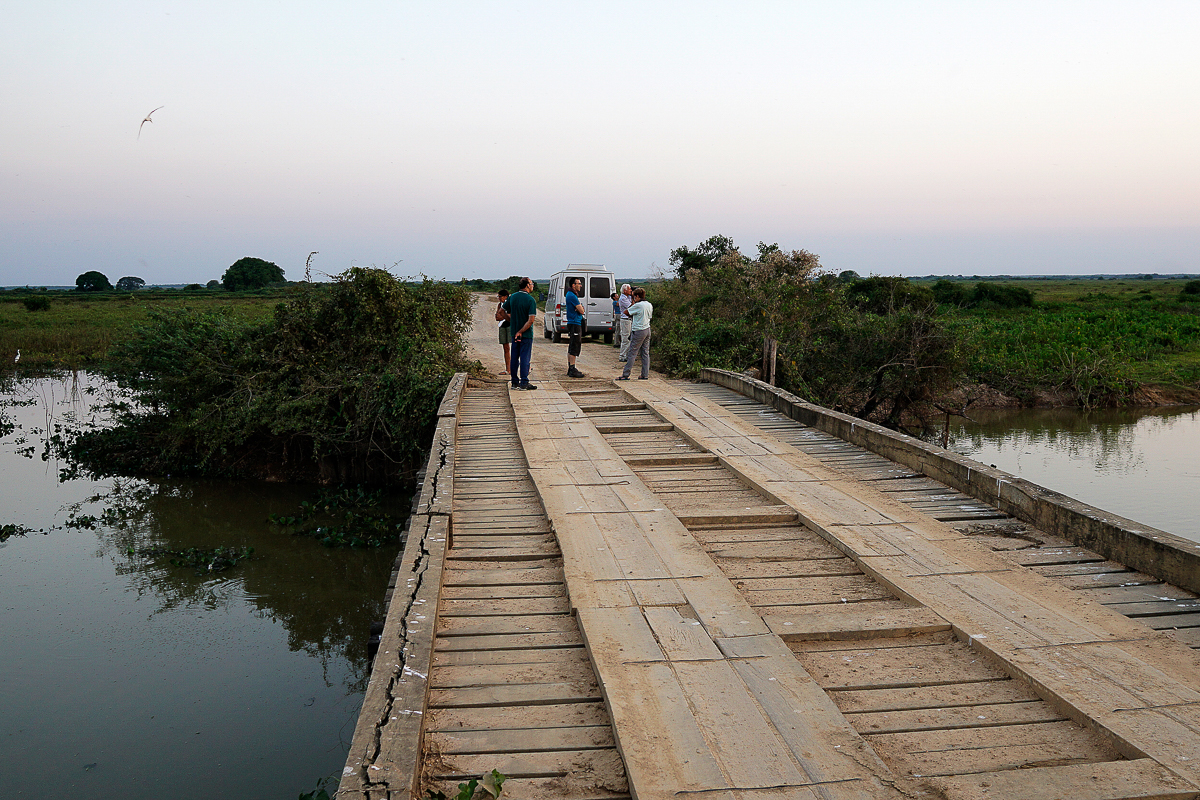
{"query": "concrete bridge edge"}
[(1155, 552), (385, 751)]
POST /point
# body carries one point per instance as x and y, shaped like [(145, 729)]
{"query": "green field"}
[(1096, 339), (79, 328)]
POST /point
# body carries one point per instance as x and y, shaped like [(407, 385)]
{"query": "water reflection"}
[(145, 679), (1137, 463)]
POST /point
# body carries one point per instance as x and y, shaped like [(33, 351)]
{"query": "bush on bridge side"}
[(340, 384)]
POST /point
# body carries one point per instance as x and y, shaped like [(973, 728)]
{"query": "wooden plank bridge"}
[(660, 589)]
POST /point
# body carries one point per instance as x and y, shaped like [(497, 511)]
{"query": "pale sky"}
[(485, 139)]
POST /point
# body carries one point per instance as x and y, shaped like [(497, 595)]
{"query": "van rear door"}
[(599, 302)]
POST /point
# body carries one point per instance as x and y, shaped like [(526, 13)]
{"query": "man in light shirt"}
[(626, 323)]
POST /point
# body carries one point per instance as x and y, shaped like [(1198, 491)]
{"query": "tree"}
[(251, 273), (130, 284), (93, 281), (707, 253), (213, 284)]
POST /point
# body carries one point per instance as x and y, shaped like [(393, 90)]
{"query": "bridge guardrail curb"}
[(1155, 552), (391, 719)]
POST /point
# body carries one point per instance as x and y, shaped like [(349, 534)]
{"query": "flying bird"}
[(147, 119)]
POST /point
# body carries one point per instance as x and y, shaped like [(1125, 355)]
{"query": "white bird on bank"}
[(18, 358), (147, 119)]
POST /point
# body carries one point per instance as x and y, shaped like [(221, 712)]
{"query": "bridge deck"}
[(685, 593)]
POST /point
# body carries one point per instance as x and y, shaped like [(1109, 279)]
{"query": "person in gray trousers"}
[(640, 312)]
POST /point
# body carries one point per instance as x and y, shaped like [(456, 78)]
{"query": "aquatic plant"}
[(345, 517), (205, 560)]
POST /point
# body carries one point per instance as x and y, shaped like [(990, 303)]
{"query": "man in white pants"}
[(626, 322)]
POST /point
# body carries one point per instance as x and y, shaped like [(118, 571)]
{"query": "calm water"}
[(128, 677), (1144, 465)]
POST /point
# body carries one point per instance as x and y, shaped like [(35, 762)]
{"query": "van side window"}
[(599, 286)]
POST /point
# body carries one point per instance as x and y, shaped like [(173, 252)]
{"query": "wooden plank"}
[(1054, 555), (1156, 608), (504, 577), (557, 715), (933, 753), (1135, 594), (491, 626), (604, 766), (748, 747), (738, 569), (504, 606), (812, 547), (565, 638), (818, 738), (811, 591), (531, 655), (895, 667), (1139, 779), (681, 638), (939, 696), (853, 621), (501, 740), (1173, 621), (451, 677), (663, 748), (503, 592), (980, 716), (710, 517), (515, 694)]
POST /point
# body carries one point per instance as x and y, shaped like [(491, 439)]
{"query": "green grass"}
[(78, 329), (1097, 339)]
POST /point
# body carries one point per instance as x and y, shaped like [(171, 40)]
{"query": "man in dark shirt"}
[(522, 313), (574, 326)]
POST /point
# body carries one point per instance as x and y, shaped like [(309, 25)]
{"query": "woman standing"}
[(502, 318), (640, 311)]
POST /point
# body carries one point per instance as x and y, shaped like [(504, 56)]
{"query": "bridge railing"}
[(1164, 555)]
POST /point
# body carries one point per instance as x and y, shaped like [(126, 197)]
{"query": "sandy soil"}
[(549, 361)]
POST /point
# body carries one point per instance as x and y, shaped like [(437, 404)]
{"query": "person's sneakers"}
[(527, 386), (574, 373), (643, 378), (622, 378), (622, 360)]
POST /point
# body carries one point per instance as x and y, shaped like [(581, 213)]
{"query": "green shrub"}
[(1191, 287), (885, 294), (251, 273), (341, 384), (1000, 296), (37, 302), (951, 293)]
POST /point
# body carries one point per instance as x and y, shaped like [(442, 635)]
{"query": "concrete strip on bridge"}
[(1137, 686), (703, 697)]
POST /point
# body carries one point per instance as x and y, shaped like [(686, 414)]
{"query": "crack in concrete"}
[(415, 583)]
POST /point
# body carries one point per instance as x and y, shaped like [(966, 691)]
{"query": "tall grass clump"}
[(340, 384)]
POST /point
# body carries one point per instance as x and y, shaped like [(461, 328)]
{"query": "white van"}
[(598, 287)]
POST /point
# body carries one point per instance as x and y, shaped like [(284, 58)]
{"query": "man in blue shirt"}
[(574, 326), (522, 313)]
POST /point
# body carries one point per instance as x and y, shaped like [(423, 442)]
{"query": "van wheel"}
[(545, 333), (608, 337), (557, 337)]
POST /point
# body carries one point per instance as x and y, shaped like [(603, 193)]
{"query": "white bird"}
[(18, 358), (147, 119)]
